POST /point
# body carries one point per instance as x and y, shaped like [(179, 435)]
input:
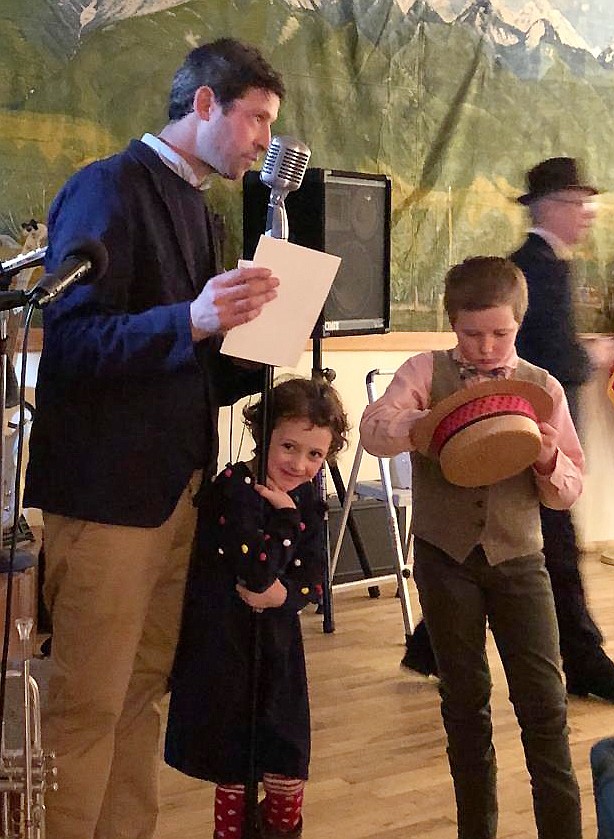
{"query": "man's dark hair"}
[(229, 67)]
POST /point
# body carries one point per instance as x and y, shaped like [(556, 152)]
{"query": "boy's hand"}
[(271, 598), (546, 460), (276, 497), (416, 434)]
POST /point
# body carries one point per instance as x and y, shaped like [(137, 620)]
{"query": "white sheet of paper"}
[(280, 332)]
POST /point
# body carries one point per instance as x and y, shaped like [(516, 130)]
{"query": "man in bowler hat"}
[(559, 203)]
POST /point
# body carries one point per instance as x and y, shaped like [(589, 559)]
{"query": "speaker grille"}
[(355, 213), (342, 213)]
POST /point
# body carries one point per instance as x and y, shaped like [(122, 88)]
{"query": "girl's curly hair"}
[(314, 399)]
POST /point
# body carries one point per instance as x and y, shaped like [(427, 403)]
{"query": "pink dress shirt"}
[(386, 424)]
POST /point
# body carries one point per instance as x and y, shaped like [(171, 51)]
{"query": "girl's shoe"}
[(268, 832)]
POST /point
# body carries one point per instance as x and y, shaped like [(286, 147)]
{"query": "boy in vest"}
[(478, 559)]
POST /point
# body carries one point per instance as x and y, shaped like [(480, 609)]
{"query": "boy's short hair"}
[(229, 67), (482, 282)]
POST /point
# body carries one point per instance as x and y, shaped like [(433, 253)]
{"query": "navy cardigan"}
[(126, 404)]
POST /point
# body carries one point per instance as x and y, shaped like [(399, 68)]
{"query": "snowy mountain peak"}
[(535, 10), (484, 17), (541, 31)]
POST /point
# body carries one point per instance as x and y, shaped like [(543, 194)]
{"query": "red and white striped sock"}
[(229, 811), (283, 802)]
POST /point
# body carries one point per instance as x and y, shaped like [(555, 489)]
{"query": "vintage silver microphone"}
[(283, 170)]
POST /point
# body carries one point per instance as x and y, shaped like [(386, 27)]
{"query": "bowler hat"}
[(551, 176), (485, 433)]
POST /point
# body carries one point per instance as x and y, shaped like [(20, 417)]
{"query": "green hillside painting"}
[(453, 100)]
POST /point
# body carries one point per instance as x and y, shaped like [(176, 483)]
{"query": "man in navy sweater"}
[(129, 386)]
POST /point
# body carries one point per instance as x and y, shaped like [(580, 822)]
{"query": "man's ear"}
[(204, 102)]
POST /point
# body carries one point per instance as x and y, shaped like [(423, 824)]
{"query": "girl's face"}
[(296, 452)]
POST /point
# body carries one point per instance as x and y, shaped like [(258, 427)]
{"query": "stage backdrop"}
[(452, 100)]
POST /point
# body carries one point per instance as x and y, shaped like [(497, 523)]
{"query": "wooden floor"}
[(379, 769)]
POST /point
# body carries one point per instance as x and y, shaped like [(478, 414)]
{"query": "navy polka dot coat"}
[(241, 537)]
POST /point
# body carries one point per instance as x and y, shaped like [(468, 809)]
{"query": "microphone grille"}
[(285, 163)]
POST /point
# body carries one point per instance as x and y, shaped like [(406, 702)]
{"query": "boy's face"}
[(486, 337)]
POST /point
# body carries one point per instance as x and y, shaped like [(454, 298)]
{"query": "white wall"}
[(595, 510)]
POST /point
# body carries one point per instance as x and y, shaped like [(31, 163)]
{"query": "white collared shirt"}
[(559, 247), (175, 161)]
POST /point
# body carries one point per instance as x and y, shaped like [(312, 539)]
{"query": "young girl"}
[(257, 547)]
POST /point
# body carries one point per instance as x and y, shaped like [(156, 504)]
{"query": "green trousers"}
[(515, 599)]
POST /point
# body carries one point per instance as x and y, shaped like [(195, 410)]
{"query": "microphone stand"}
[(277, 228), (251, 825), (12, 559)]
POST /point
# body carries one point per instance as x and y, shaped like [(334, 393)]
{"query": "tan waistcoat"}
[(503, 518)]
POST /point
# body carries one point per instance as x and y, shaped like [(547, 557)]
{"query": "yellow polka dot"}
[(244, 549), (304, 590)]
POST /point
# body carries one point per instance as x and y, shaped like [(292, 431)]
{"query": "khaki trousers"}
[(115, 595)]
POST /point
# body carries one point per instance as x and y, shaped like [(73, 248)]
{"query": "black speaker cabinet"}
[(342, 213), (370, 517)]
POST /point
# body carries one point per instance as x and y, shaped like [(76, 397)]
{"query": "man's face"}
[(568, 213), (230, 143)]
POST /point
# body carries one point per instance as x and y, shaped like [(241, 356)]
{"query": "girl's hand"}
[(276, 497), (546, 460), (271, 598)]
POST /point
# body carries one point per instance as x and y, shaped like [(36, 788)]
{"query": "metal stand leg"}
[(354, 532), (402, 547), (401, 569), (327, 600)]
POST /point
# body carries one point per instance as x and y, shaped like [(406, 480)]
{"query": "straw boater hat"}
[(485, 433), (553, 175)]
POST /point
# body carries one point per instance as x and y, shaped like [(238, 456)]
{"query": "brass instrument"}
[(26, 773)]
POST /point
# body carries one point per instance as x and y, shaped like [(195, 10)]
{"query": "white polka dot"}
[(297, 562), (286, 543), (247, 480), (220, 551)]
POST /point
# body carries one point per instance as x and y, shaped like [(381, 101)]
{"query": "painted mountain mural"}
[(453, 100)]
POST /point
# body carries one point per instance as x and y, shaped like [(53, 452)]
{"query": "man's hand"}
[(230, 299), (271, 598), (546, 460)]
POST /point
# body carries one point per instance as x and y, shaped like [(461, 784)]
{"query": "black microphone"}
[(283, 170), (87, 258), (24, 260)]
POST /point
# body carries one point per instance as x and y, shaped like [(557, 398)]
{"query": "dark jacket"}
[(126, 404), (548, 337)]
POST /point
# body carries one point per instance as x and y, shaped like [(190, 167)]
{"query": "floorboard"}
[(379, 769)]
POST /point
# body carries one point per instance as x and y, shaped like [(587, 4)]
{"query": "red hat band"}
[(478, 409)]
